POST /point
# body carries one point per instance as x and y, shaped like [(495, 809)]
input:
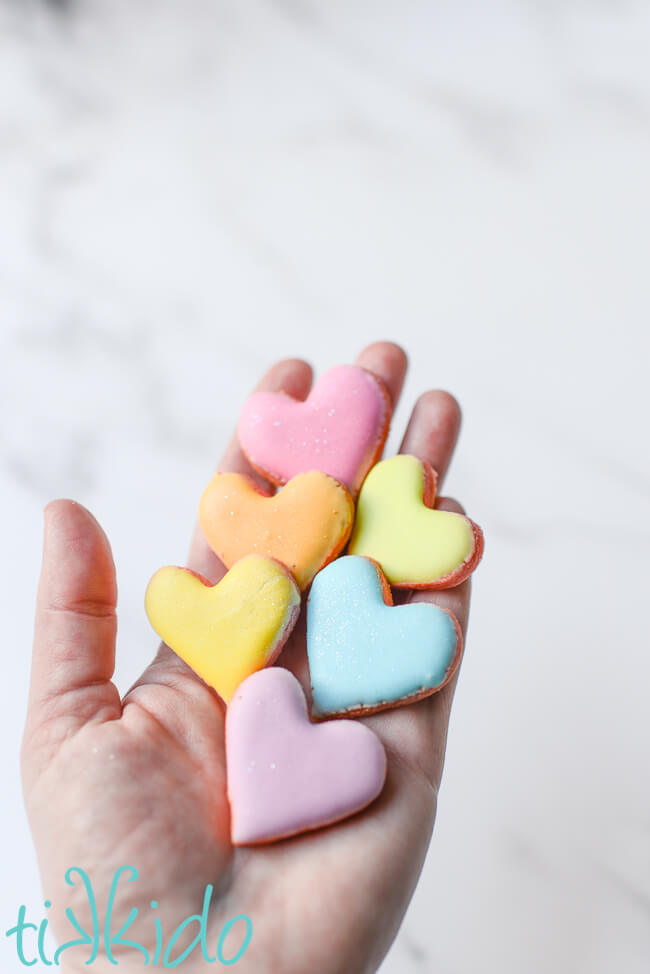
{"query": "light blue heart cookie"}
[(365, 654)]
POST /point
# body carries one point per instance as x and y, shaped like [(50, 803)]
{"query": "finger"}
[(74, 640), (292, 376), (436, 711), (416, 734), (432, 431), (389, 363)]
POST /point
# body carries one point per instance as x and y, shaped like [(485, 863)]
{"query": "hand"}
[(141, 781)]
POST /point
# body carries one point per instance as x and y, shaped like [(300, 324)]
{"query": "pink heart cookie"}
[(287, 775), (340, 428)]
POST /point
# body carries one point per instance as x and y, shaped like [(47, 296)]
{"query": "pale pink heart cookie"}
[(339, 429), (287, 775)]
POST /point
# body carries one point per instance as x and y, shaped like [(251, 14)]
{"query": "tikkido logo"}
[(30, 946)]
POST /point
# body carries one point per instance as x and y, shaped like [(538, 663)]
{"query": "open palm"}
[(140, 781)]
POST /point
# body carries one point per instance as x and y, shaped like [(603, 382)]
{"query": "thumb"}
[(74, 639)]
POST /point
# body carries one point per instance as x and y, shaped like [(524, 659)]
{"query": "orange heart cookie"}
[(304, 526)]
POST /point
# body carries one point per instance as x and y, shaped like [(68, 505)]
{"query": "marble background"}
[(189, 190)]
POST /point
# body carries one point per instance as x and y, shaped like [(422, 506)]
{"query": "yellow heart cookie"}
[(417, 547), (305, 525), (226, 631)]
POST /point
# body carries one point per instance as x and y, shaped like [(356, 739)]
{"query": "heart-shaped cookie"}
[(304, 525), (416, 546), (226, 631), (366, 654), (287, 775), (340, 428)]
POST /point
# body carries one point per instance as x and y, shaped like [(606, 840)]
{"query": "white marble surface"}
[(190, 189)]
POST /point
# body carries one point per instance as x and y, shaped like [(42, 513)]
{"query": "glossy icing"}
[(227, 631), (365, 654), (415, 545), (287, 775), (304, 525), (339, 429)]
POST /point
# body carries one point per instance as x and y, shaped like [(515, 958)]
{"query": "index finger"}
[(293, 376)]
